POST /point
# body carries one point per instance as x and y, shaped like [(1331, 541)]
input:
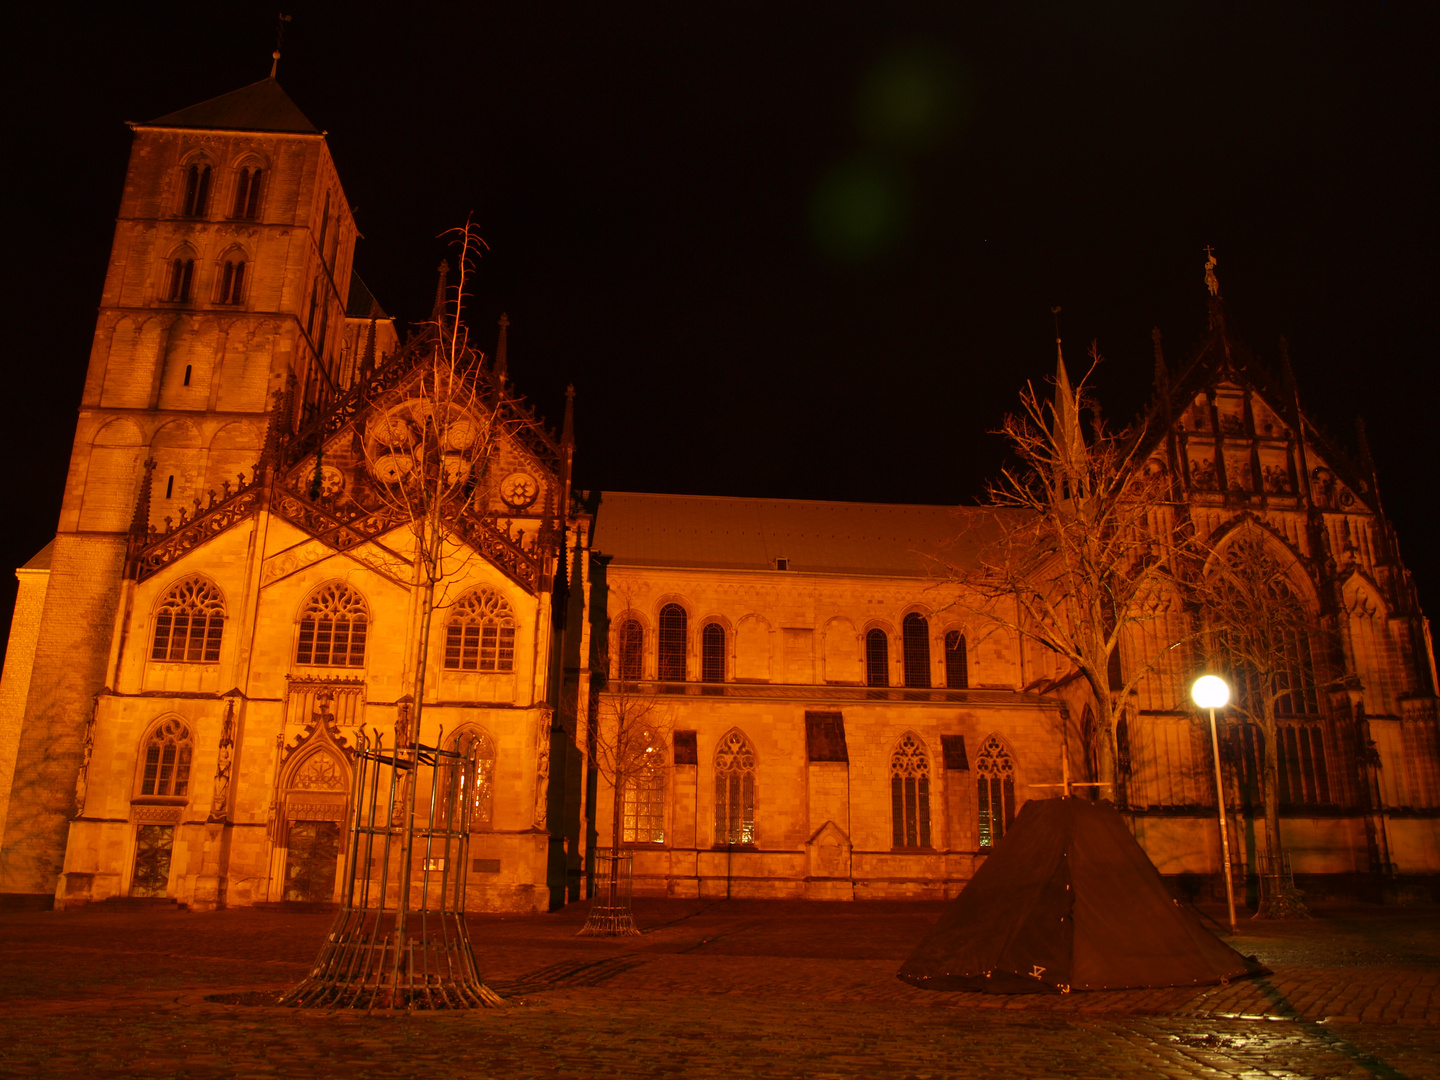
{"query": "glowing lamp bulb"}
[(1210, 692)]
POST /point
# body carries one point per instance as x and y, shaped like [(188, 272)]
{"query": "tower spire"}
[(1069, 443)]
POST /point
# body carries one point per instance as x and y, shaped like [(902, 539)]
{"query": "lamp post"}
[(1212, 692)]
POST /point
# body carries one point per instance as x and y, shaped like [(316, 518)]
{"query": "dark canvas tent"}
[(1068, 900)]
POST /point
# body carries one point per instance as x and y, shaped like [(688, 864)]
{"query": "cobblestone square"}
[(717, 989)]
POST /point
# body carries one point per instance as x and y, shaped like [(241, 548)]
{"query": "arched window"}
[(189, 623), (632, 649), (480, 633), (915, 632), (734, 791), (232, 280), (482, 794), (957, 666), (197, 190), (179, 276), (1304, 779), (643, 811), (910, 793), (672, 644), (995, 782), (167, 761), (247, 193), (712, 653), (333, 626), (877, 658)]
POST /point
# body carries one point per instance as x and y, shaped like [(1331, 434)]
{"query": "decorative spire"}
[(1217, 306), (439, 311), (279, 37), (501, 363), (140, 520), (367, 359), (1367, 460), (1068, 439), (567, 429), (1162, 373)]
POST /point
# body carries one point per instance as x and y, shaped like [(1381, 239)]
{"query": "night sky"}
[(792, 249)]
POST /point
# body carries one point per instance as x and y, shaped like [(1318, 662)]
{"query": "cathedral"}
[(238, 592)]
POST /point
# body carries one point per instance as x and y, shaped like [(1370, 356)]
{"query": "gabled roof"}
[(261, 106), (720, 533), (361, 303)]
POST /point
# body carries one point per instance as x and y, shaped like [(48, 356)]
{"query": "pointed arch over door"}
[(316, 802)]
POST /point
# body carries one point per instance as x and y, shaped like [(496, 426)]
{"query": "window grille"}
[(915, 634), (189, 624), (333, 627), (910, 793), (734, 791), (232, 281), (712, 653), (632, 650), (672, 644), (480, 633), (197, 191), (167, 761), (995, 784), (247, 194), (482, 796), (957, 666), (182, 274), (643, 813), (877, 659)]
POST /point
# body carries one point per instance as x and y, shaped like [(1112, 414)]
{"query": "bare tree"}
[(631, 750), (1259, 633), (1082, 545), (428, 443)]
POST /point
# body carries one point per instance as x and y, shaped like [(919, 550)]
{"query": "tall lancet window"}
[(734, 791), (957, 665), (910, 793), (995, 786)]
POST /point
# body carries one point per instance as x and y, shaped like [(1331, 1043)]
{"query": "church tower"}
[(225, 296)]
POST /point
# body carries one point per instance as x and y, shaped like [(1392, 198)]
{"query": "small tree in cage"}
[(631, 750)]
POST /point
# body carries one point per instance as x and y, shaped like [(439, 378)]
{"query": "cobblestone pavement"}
[(728, 989)]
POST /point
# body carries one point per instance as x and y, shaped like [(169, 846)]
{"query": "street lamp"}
[(1212, 692)]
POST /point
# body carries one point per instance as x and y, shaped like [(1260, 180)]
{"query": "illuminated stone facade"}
[(195, 654)]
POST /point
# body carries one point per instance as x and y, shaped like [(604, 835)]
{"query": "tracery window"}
[(734, 791), (197, 190), (672, 644), (480, 633), (877, 658), (1303, 777), (232, 281), (632, 649), (333, 627), (915, 635), (995, 784), (910, 793), (712, 653), (167, 760), (189, 623), (643, 810), (180, 274), (247, 193), (957, 665), (482, 793)]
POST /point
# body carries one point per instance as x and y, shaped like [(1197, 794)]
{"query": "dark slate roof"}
[(361, 303), (716, 533), (41, 559), (261, 106)]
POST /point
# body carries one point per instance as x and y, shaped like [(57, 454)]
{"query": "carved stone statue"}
[(1211, 281)]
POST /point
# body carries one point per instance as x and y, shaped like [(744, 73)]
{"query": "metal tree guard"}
[(400, 940), (610, 914)]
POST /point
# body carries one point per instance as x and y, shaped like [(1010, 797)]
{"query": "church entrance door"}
[(152, 860), (313, 855)]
